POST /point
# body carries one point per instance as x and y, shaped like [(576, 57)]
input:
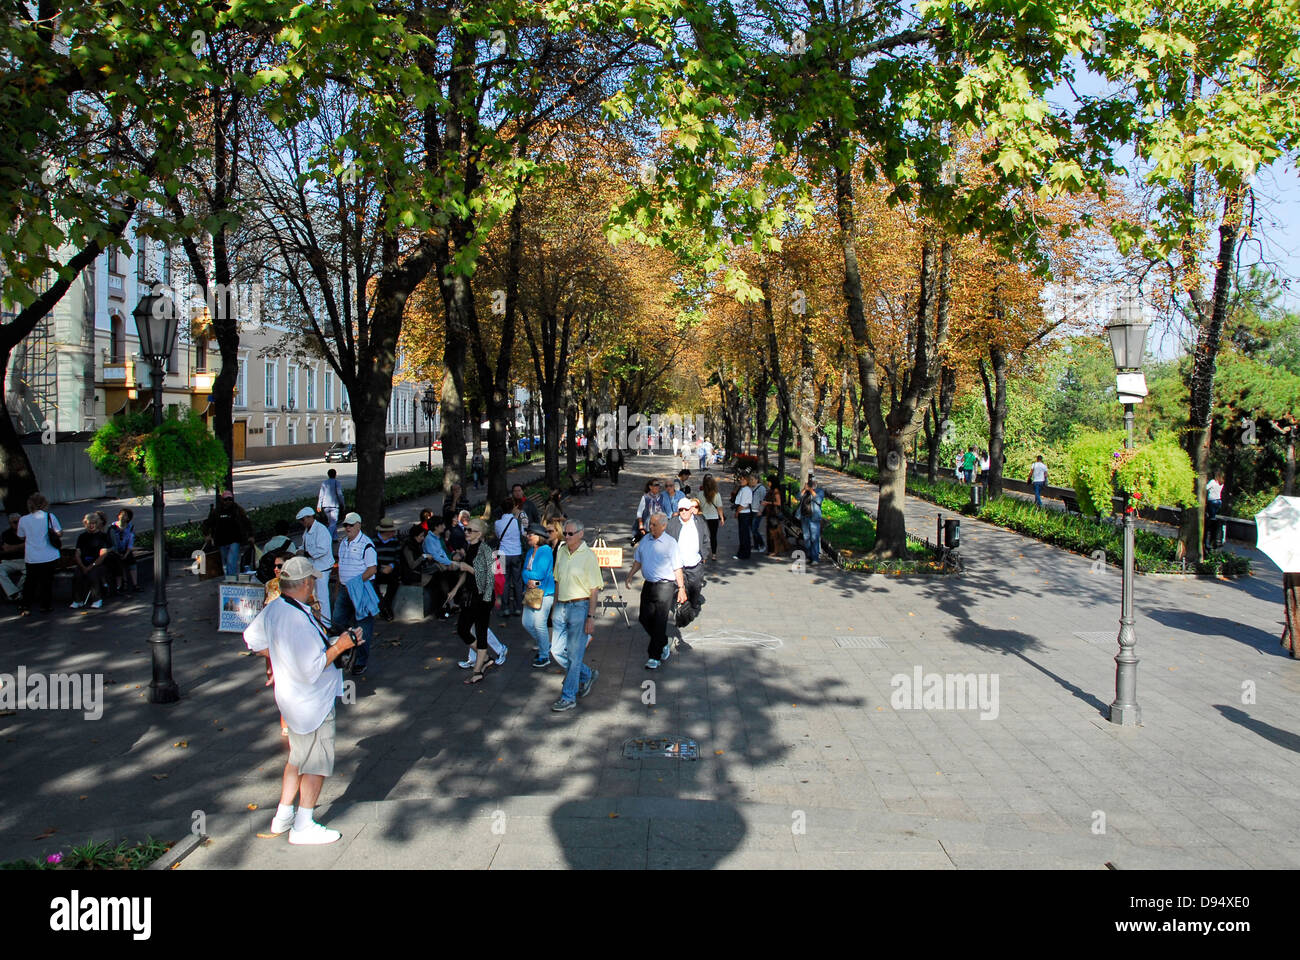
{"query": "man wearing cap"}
[(578, 581), (691, 533), (356, 602), (318, 544), (660, 558), (301, 664), (386, 547), (228, 528)]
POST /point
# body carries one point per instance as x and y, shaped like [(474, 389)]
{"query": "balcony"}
[(117, 286), (120, 373), (201, 381)]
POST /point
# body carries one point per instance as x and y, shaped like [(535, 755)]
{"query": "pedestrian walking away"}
[(40, 532), (614, 461), (509, 531), (330, 501), (809, 515), (759, 500), (578, 582), (659, 556), (356, 603), (302, 663), (318, 544), (1213, 504), (691, 533), (711, 509), (1038, 477), (478, 467)]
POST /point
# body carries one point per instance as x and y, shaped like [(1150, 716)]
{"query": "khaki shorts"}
[(313, 753)]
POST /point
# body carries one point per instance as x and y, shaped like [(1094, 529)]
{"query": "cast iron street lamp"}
[(429, 403), (1128, 336), (156, 324)]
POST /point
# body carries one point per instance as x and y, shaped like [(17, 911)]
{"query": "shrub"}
[(1155, 474)]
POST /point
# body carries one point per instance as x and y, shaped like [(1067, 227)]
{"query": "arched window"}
[(117, 339)]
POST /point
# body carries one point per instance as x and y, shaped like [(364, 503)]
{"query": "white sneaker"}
[(97, 604), (502, 659), (278, 826), (466, 664), (313, 835), (75, 605), (652, 664)]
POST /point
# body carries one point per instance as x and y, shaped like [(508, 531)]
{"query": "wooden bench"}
[(579, 483)]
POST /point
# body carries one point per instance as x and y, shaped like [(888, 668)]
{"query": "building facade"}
[(81, 366)]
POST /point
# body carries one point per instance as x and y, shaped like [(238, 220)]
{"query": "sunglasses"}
[(571, 533)]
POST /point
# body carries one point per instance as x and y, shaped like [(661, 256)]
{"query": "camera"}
[(349, 656)]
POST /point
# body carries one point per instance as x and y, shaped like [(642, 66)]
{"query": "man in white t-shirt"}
[(300, 662), (745, 516), (42, 556), (1213, 504), (1038, 477), (319, 546)]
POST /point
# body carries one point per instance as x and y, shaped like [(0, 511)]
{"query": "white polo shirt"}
[(306, 684), (688, 543), (355, 556), (745, 499)]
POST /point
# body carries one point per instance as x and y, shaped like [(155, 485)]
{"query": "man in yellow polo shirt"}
[(578, 581)]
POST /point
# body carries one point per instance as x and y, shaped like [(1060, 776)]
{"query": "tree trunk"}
[(571, 433), (459, 305), (1210, 320), (995, 395), (370, 414)]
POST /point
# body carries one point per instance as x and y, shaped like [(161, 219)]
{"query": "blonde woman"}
[(712, 511)]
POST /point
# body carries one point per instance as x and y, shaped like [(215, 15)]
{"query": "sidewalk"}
[(786, 687)]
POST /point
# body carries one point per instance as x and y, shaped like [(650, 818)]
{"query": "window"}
[(241, 384), (291, 388), (327, 392), (311, 430), (311, 389), (293, 431), (270, 432), (329, 430), (201, 355), (117, 339), (269, 366)]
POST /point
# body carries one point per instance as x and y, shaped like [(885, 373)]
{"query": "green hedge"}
[(1154, 553), (848, 527)]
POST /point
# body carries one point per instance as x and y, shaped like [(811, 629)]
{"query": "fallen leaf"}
[(252, 806), (84, 796), (160, 776), (181, 743), (717, 753), (268, 836), (49, 832), (613, 816)]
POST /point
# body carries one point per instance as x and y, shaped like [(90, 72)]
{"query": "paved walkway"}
[(786, 687)]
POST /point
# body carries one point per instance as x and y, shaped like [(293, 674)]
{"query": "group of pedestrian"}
[(32, 551)]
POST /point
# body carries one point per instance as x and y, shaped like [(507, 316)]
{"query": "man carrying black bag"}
[(690, 531)]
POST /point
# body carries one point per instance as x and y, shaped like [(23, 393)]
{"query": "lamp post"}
[(1128, 336), (429, 403), (156, 323)]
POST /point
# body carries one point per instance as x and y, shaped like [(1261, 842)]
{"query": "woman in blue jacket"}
[(539, 571)]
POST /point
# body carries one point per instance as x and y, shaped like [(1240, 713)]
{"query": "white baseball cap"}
[(299, 568), (305, 512)]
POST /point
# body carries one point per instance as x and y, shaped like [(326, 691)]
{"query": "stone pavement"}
[(786, 686)]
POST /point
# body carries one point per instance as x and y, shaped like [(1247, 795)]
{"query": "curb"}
[(178, 852)]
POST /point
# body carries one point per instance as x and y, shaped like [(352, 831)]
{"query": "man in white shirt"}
[(318, 544), (358, 561), (659, 556), (744, 516), (1213, 504), (300, 662), (759, 495), (691, 533), (1038, 477), (330, 499)]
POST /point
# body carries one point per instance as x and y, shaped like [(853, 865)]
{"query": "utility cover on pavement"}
[(671, 748), (861, 643)]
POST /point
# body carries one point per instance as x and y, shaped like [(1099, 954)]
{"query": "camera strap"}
[(311, 618)]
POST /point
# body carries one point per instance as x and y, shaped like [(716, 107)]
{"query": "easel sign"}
[(611, 559)]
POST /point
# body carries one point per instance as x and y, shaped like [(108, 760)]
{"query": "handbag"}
[(56, 540), (533, 598)]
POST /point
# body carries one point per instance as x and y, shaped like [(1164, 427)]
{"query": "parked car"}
[(341, 453), (437, 444)]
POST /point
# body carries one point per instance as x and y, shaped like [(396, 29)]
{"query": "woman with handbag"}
[(539, 591), (43, 548), (478, 611)]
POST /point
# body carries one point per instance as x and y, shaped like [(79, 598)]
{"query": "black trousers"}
[(613, 472), (656, 606), (476, 614), (390, 582), (38, 588), (713, 534), (689, 610)]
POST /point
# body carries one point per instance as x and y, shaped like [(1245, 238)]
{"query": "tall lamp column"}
[(1128, 336), (156, 323)]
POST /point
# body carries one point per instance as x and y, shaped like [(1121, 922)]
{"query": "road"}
[(255, 486)]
